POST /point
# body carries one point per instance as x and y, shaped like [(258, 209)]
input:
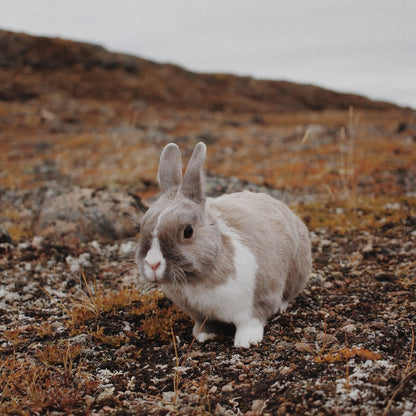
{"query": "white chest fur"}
[(231, 301)]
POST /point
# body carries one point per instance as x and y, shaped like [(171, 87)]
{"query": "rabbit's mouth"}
[(155, 272)]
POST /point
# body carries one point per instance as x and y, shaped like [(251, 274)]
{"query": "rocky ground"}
[(80, 333)]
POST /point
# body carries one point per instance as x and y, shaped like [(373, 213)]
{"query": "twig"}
[(347, 376), (60, 304), (179, 362), (399, 387), (185, 356), (177, 377), (324, 341), (409, 362), (406, 376)]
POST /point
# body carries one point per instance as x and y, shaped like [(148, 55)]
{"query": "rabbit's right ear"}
[(170, 167), (193, 186)]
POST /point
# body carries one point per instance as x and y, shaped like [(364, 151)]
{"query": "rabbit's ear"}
[(170, 167), (192, 186)]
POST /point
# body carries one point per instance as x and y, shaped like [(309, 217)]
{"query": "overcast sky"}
[(361, 46)]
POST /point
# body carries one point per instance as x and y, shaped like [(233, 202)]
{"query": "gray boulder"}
[(82, 214)]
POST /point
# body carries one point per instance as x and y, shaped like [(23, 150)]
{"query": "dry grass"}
[(354, 156), (55, 375), (367, 213), (30, 386)]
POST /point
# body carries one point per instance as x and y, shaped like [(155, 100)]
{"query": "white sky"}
[(362, 46)]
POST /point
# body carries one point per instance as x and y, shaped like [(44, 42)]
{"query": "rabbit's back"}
[(277, 238), (260, 220)]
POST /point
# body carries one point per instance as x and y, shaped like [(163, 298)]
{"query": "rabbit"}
[(238, 259)]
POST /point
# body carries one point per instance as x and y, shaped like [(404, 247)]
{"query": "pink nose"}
[(154, 266)]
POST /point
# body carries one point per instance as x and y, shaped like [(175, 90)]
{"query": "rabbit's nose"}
[(154, 266)]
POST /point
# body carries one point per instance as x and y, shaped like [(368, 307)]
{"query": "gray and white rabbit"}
[(238, 259)]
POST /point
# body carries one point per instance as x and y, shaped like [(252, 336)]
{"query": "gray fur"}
[(170, 167), (279, 240), (202, 270), (193, 186)]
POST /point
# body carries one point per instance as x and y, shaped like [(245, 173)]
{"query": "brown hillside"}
[(32, 66)]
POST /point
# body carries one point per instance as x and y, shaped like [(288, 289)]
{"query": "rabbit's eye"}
[(188, 231)]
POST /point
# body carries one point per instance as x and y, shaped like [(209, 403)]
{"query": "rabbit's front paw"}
[(204, 336), (201, 335), (247, 333)]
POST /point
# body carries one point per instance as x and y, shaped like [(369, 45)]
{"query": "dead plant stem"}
[(409, 362), (406, 376), (177, 376), (180, 361), (60, 304), (347, 368)]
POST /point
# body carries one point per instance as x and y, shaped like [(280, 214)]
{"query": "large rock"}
[(81, 215)]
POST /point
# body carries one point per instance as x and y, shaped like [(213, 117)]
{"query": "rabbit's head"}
[(178, 242)]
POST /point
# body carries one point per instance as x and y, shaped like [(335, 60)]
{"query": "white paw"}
[(204, 336), (248, 333), (200, 335)]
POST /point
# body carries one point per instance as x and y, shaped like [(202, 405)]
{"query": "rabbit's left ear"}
[(170, 167), (192, 186)]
